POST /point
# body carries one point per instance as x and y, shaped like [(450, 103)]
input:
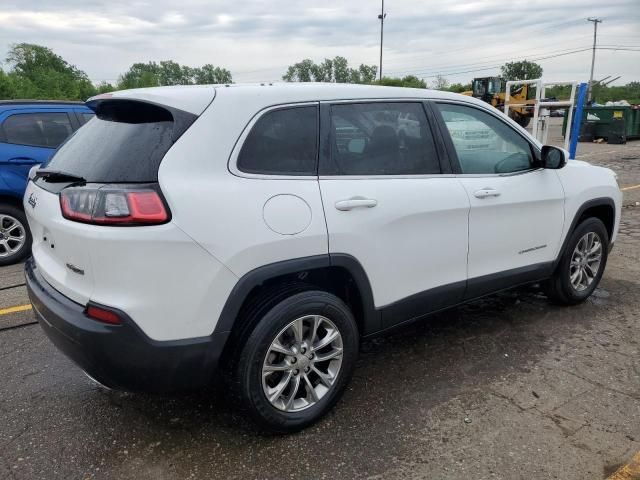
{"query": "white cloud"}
[(256, 40)]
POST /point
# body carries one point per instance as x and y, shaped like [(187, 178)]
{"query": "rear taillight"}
[(103, 315), (106, 205)]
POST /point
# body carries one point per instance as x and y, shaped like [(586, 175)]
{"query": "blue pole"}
[(577, 121)]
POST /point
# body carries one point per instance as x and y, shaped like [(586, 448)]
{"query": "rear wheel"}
[(15, 238), (297, 361), (582, 264)]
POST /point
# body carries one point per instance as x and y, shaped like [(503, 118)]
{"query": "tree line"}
[(36, 72)]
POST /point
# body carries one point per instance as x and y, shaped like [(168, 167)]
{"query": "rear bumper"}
[(121, 356)]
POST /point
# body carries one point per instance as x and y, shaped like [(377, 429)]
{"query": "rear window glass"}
[(37, 129), (282, 142), (125, 142)]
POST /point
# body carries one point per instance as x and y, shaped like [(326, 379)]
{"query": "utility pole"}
[(595, 21), (381, 17)]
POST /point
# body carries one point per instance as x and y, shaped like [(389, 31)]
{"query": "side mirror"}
[(553, 157)]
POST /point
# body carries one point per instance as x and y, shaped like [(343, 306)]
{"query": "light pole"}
[(595, 21), (381, 17)]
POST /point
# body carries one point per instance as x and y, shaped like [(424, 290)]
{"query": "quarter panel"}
[(583, 182), (223, 212)]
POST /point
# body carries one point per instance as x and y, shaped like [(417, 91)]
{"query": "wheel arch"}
[(339, 274), (603, 208), (11, 200)]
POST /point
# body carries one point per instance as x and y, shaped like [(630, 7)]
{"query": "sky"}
[(256, 40)]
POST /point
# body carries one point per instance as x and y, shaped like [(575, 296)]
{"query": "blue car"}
[(30, 132)]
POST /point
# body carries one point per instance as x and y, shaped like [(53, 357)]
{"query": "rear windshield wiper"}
[(58, 176)]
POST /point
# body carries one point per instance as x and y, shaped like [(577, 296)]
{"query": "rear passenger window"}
[(381, 139), (37, 129), (282, 142)]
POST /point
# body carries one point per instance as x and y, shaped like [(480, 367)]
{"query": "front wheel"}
[(581, 265), (15, 238), (297, 361)]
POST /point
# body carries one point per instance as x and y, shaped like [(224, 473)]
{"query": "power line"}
[(499, 65), (497, 56), (423, 73)]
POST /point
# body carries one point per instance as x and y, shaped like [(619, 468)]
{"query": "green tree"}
[(104, 87), (37, 72), (364, 74), (168, 72), (300, 72), (140, 75), (330, 70), (459, 87), (409, 81), (340, 70), (208, 74), (523, 70), (7, 88)]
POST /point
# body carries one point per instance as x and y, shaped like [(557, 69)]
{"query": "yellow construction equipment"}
[(492, 91)]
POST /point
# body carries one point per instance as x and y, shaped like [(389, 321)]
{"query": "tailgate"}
[(58, 246)]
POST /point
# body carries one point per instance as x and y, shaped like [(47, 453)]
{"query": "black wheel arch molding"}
[(589, 204), (370, 321)]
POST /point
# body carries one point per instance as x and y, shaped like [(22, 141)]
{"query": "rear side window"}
[(381, 139), (125, 142), (45, 129), (282, 142)]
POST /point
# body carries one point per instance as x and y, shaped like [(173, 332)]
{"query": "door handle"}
[(356, 202), (486, 192)]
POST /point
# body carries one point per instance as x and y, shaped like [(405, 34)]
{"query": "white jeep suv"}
[(264, 230)]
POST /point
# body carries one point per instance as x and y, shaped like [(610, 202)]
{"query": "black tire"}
[(23, 252), (247, 366), (559, 288)]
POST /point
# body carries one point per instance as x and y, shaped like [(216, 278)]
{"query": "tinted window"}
[(87, 116), (381, 139), (125, 142), (37, 129), (282, 142), (484, 143)]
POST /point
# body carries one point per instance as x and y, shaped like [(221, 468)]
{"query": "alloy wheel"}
[(13, 235), (585, 261), (302, 363)]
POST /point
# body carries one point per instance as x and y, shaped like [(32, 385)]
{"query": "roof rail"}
[(40, 102)]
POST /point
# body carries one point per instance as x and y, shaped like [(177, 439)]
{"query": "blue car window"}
[(42, 129), (87, 116)]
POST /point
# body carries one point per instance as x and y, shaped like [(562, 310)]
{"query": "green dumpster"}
[(601, 117)]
